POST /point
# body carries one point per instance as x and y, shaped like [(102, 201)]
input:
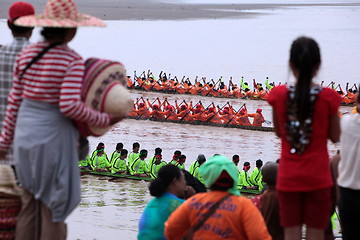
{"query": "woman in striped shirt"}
[(43, 102)]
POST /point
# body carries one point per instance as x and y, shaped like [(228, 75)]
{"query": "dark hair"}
[(136, 144), (123, 152), (304, 58), (101, 144), (177, 152), (166, 175), (158, 151), (49, 32), (201, 159), (181, 157), (18, 29), (259, 163), (235, 157), (119, 146), (269, 172), (246, 164), (143, 152), (358, 96)]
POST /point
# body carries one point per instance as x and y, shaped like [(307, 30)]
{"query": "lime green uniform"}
[(192, 167), (138, 166), (151, 161), (132, 156), (118, 165), (244, 180), (114, 155), (85, 163), (154, 169), (180, 166), (198, 175), (255, 176), (173, 162), (99, 162)]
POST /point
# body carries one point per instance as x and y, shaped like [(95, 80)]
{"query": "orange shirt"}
[(258, 119), (236, 218)]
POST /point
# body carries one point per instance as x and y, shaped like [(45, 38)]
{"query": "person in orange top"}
[(216, 118), (179, 88), (129, 82), (236, 92), (262, 94), (236, 217), (184, 109), (143, 110), (258, 118), (243, 118)]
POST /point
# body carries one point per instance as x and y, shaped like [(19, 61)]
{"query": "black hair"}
[(49, 32), (177, 152), (235, 157), (193, 182), (136, 144), (143, 153), (101, 144), (123, 152), (259, 163), (246, 164), (158, 151), (19, 29), (119, 146), (304, 58), (166, 175), (201, 159), (181, 157)]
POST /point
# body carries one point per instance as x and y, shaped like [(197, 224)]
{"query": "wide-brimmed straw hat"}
[(60, 13), (104, 90), (7, 181)]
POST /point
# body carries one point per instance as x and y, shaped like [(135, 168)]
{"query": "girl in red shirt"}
[(305, 117)]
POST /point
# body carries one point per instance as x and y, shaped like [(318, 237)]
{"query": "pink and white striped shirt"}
[(56, 78)]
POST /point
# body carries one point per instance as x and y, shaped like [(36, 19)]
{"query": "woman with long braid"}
[(305, 117)]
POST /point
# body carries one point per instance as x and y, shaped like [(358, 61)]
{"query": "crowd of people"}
[(140, 163), (148, 82), (188, 112)]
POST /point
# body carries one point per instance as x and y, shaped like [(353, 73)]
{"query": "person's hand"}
[(3, 155)]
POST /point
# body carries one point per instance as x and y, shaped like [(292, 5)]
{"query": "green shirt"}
[(114, 155), (173, 162), (255, 176), (154, 169), (244, 180), (192, 167), (151, 161), (85, 162), (138, 166), (132, 156), (198, 175), (99, 162), (180, 166), (118, 165)]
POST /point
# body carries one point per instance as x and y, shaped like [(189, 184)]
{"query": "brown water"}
[(111, 210)]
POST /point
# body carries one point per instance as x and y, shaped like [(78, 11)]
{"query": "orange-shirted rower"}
[(242, 118), (258, 118)]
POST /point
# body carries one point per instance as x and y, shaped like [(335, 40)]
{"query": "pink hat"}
[(60, 13), (103, 90), (20, 9)]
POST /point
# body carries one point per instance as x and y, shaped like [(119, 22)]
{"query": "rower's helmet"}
[(201, 159)]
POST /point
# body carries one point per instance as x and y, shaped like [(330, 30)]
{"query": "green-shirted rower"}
[(119, 163), (195, 171), (155, 167), (116, 153), (175, 158), (158, 151), (100, 161), (196, 164), (244, 180), (181, 162), (85, 163), (100, 144), (134, 154), (138, 167), (268, 85), (256, 175)]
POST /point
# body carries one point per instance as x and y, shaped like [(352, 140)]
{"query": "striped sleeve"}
[(70, 103), (14, 101)]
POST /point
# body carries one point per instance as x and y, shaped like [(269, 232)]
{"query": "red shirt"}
[(311, 170)]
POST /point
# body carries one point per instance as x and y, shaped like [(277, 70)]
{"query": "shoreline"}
[(152, 10)]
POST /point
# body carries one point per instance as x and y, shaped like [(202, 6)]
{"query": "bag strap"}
[(37, 57), (209, 213)]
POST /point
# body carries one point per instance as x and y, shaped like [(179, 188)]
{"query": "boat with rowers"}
[(114, 176)]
